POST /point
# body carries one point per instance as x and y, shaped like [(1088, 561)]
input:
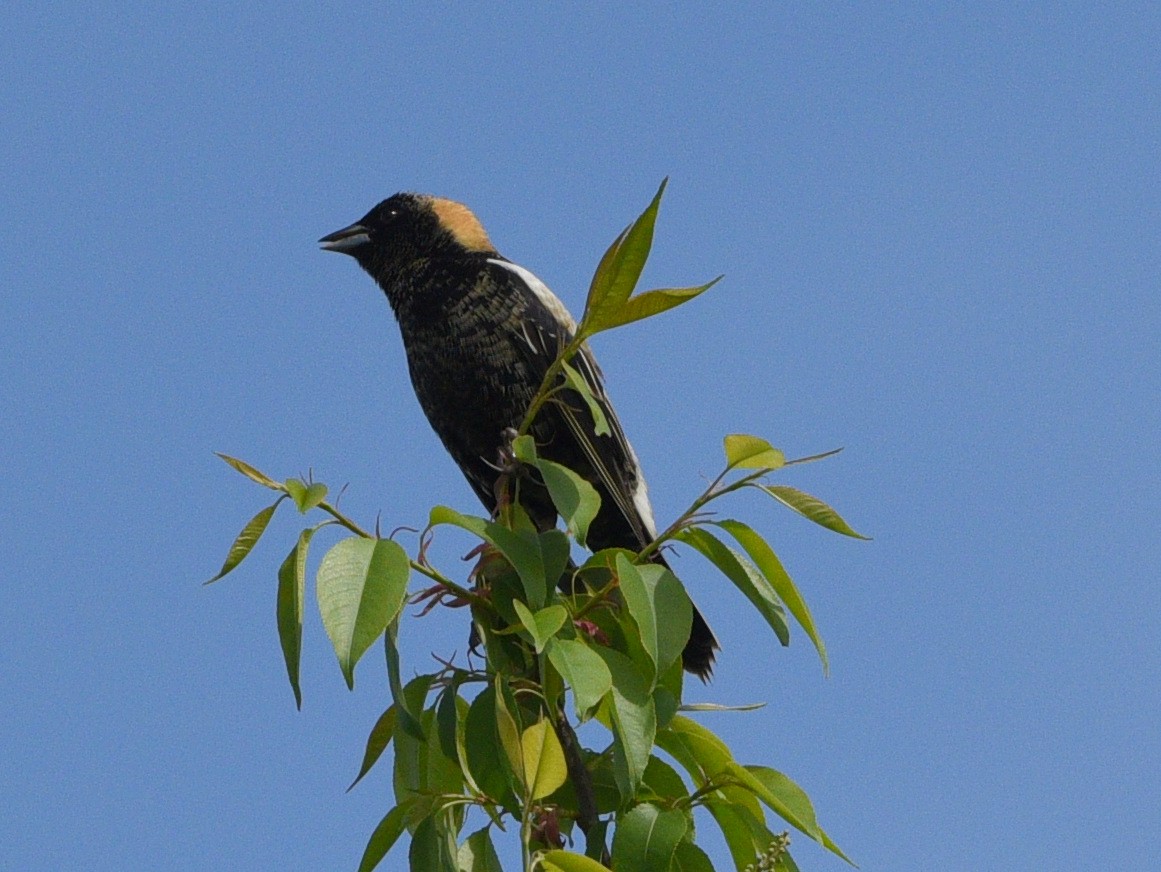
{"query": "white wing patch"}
[(550, 300)]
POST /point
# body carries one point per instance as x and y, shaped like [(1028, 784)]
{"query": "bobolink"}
[(480, 333)]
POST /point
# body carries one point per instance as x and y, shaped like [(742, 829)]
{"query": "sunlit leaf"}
[(751, 452), (717, 707), (639, 601), (361, 585), (544, 765), (305, 496), (771, 567), (247, 539), (250, 472), (291, 595), (746, 834), (811, 507), (566, 861), (508, 732)]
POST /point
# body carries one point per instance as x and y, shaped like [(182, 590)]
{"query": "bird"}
[(480, 333)]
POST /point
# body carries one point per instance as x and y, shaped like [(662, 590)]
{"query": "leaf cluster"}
[(560, 645)]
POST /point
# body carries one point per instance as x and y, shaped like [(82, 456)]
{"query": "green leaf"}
[(361, 585), (305, 496), (639, 601), (408, 714), (409, 773), (534, 557), (690, 858), (483, 751), (429, 851), (582, 669), (702, 754), (771, 567), (543, 625), (634, 721), (444, 775), (811, 507), (619, 270), (566, 861), (577, 382), (674, 612), (744, 576), (250, 472), (386, 834), (377, 742), (751, 452), (477, 854), (747, 835), (646, 838), (780, 794), (291, 594), (717, 707), (575, 499), (508, 732), (663, 782), (544, 765), (247, 539), (649, 303)]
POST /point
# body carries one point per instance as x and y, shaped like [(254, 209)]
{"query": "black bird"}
[(480, 333)]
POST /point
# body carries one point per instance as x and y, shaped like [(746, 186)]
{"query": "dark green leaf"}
[(771, 567), (634, 721), (483, 751), (811, 507), (443, 775), (690, 858), (746, 834), (250, 472), (429, 850), (291, 594), (384, 836), (305, 496), (377, 742), (751, 452), (361, 585), (409, 774), (247, 539), (646, 838), (582, 669), (744, 576), (664, 782)]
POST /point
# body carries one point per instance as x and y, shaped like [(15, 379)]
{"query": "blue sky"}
[(939, 229)]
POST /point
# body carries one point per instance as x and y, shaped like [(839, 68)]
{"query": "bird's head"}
[(407, 227)]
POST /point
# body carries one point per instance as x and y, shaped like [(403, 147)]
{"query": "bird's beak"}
[(346, 240)]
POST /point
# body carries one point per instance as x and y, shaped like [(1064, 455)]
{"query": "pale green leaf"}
[(649, 303), (811, 507), (575, 499), (751, 452), (305, 496), (544, 765), (577, 382), (360, 586), (543, 625), (247, 539), (566, 861), (250, 472)]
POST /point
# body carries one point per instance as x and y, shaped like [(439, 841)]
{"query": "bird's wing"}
[(546, 326)]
